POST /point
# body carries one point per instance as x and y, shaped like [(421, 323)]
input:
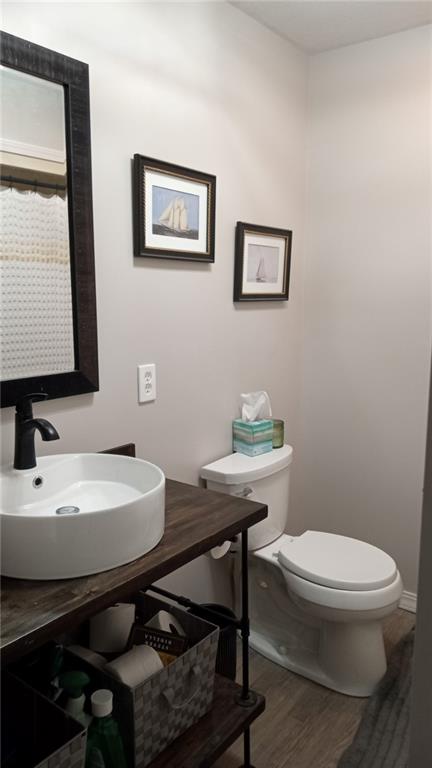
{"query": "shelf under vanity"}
[(34, 612)]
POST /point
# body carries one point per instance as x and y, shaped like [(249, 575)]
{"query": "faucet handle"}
[(24, 404)]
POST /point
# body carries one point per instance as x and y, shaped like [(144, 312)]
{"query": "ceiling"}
[(320, 25)]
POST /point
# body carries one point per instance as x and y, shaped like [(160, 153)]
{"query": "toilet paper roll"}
[(217, 552), (95, 659), (165, 621), (110, 629), (135, 666)]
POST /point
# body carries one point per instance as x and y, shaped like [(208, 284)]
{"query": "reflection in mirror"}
[(36, 311), (48, 315)]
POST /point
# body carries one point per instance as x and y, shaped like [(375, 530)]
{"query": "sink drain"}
[(67, 510)]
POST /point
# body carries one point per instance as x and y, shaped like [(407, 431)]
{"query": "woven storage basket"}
[(154, 713), (37, 732), (72, 755)]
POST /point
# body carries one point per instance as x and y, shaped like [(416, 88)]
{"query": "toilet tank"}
[(262, 478)]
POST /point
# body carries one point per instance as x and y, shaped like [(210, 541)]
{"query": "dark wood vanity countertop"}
[(196, 520)]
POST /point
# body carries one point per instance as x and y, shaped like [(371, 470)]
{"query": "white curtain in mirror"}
[(36, 321)]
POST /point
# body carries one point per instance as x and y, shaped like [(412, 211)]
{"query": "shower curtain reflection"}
[(36, 320)]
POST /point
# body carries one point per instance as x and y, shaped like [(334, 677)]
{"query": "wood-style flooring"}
[(304, 725)]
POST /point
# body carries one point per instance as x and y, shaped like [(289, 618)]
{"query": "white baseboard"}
[(408, 601)]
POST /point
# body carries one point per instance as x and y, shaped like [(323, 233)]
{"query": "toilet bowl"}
[(329, 634), (317, 600)]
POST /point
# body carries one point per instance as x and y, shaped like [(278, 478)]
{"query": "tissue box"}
[(252, 437)]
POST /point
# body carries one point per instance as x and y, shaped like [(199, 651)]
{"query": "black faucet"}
[(25, 428)]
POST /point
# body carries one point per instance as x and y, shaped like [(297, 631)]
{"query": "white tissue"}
[(255, 406), (164, 621)]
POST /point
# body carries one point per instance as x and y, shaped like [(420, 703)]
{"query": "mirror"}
[(48, 336), (35, 270)]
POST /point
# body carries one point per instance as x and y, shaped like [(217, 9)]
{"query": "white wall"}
[(367, 294), (206, 87)]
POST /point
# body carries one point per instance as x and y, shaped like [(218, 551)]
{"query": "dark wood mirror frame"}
[(73, 76)]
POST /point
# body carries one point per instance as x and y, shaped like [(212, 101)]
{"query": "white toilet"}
[(317, 600)]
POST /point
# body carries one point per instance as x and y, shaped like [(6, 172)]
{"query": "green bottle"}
[(104, 743)]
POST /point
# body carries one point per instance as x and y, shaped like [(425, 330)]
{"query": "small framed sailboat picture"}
[(174, 211), (262, 263)]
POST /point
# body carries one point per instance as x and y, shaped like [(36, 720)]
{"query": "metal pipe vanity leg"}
[(247, 698)]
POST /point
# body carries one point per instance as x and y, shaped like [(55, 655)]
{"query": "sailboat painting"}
[(174, 211), (175, 214), (262, 263)]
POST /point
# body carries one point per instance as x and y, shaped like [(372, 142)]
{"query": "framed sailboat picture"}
[(262, 263), (174, 211)]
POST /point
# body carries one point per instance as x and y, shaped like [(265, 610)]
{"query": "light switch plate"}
[(146, 383)]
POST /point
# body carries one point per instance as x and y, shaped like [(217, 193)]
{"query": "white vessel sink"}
[(77, 514)]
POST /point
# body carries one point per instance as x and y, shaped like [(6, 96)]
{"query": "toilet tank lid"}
[(239, 468)]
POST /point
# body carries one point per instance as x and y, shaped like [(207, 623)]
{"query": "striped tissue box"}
[(252, 437)]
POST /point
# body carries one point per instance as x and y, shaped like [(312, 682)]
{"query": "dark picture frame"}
[(174, 211), (73, 75), (262, 263)]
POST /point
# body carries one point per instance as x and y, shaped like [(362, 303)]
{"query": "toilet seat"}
[(344, 599), (348, 600), (338, 562)]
